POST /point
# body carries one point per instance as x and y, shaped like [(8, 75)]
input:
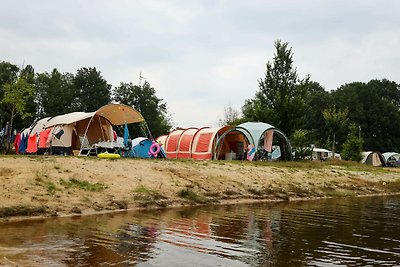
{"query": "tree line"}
[(26, 96), (356, 116)]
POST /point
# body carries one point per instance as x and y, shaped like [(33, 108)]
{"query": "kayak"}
[(106, 155)]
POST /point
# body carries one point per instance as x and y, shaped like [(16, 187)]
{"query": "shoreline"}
[(71, 186)]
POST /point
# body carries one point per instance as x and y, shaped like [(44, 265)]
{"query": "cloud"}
[(203, 55)]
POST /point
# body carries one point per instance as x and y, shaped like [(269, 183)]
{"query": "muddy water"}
[(344, 232)]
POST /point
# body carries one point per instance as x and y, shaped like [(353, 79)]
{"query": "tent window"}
[(204, 142)]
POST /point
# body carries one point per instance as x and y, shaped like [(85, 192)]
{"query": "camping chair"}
[(86, 148)]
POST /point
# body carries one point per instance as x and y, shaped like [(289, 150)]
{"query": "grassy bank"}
[(38, 185)]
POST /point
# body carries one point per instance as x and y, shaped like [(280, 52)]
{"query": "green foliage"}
[(231, 116), (15, 98), (353, 146), (55, 93), (143, 98), (92, 90), (300, 144), (280, 100), (82, 184), (191, 196), (375, 107), (147, 194), (335, 120)]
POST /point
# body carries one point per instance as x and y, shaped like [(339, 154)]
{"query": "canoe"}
[(106, 155)]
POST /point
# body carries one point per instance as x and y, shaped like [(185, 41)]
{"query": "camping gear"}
[(82, 130), (373, 158), (106, 155), (392, 159), (142, 146), (225, 142)]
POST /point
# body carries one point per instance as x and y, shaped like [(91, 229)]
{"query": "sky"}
[(203, 55)]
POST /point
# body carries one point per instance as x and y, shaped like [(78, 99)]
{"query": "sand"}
[(85, 185)]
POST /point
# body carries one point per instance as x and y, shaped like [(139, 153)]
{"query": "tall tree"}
[(353, 146), (317, 100), (92, 90), (55, 93), (8, 75), (281, 97), (143, 98), (15, 98), (231, 116), (335, 120), (374, 106)]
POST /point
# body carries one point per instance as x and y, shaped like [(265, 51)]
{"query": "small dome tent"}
[(373, 158), (392, 159), (269, 141)]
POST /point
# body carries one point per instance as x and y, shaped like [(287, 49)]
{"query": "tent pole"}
[(87, 128)]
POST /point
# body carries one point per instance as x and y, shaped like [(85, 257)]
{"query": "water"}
[(335, 232)]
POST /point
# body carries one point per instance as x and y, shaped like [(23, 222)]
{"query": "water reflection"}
[(356, 232)]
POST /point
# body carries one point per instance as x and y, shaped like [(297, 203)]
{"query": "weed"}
[(21, 210), (147, 194), (191, 196), (82, 184), (51, 188)]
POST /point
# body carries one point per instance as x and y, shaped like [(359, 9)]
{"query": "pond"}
[(333, 232)]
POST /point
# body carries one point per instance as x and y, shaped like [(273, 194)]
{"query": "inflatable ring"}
[(154, 149)]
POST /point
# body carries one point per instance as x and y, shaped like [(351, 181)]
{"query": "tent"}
[(171, 143), (392, 159), (270, 142), (373, 158), (227, 142), (141, 148), (81, 130)]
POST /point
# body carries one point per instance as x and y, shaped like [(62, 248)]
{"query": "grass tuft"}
[(191, 196), (82, 184), (21, 210)]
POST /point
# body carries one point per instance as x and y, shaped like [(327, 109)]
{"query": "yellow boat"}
[(106, 155)]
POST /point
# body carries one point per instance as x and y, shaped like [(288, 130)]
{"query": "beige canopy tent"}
[(80, 130)]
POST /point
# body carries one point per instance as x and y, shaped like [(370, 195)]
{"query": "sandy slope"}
[(131, 183)]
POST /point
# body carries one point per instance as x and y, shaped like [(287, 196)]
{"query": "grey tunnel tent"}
[(270, 142)]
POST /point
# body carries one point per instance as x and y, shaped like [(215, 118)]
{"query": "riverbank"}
[(59, 186)]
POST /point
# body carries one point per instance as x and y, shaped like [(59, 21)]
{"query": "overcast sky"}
[(203, 55)]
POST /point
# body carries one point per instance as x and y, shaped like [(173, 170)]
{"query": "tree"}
[(281, 97), (143, 98), (231, 116), (8, 75), (375, 107), (54, 93), (15, 98), (335, 119), (92, 90), (317, 100), (300, 144), (353, 146)]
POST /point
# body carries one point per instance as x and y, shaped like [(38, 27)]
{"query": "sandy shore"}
[(57, 186)]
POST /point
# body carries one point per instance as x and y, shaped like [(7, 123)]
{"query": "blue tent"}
[(141, 148)]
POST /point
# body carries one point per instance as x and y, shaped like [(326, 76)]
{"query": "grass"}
[(82, 184), (21, 210), (192, 196), (145, 193), (148, 196)]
